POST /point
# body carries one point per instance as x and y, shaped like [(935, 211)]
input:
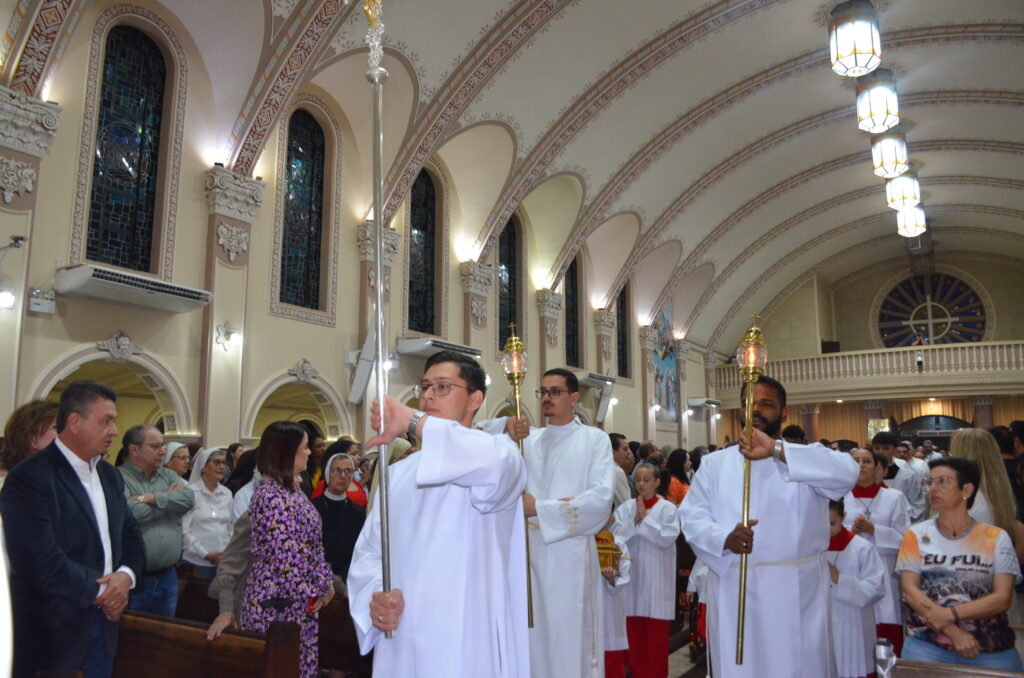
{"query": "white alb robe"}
[(458, 556), (787, 620), (570, 474), (890, 512), (861, 585), (615, 603), (652, 541), (911, 484)]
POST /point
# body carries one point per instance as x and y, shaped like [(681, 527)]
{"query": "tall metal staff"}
[(377, 76), (752, 356), (513, 364)]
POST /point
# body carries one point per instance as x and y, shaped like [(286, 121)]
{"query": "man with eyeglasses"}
[(458, 560), (158, 500), (568, 500)]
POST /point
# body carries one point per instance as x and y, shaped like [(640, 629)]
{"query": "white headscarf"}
[(327, 475), (169, 451), (202, 457)]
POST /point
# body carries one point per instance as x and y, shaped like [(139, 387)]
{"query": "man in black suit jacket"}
[(75, 549)]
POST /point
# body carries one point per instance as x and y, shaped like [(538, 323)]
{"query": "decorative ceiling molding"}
[(467, 80), (38, 52), (280, 78), (589, 104), (17, 29)]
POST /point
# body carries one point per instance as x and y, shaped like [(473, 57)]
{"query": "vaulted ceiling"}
[(704, 150)]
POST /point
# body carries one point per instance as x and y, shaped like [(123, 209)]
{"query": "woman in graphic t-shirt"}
[(958, 577)]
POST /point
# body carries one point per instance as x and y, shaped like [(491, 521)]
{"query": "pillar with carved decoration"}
[(811, 415), (365, 243), (982, 411), (648, 345), (604, 329), (477, 281), (26, 127), (233, 200), (710, 384), (682, 349), (549, 308)]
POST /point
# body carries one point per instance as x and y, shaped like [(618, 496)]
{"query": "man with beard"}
[(786, 631)]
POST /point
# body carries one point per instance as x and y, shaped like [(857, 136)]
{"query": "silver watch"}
[(413, 423), (777, 450)]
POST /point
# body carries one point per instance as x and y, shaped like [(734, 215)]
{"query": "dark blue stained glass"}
[(303, 212), (572, 315), (122, 211), (422, 254), (622, 326), (508, 281), (934, 308)]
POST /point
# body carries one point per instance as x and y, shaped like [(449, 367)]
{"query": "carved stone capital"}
[(604, 323), (710, 361), (233, 239), (232, 195), (874, 404), (27, 124), (682, 348), (649, 338), (477, 278), (549, 304), (982, 401), (810, 409), (366, 243), (16, 178), (120, 346), (304, 371)]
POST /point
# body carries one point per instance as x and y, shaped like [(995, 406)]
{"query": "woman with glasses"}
[(958, 576), (207, 528), (176, 458), (342, 518)]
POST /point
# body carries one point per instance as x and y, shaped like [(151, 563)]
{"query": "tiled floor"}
[(680, 666)]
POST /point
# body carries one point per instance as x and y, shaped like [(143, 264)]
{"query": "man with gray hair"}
[(158, 500)]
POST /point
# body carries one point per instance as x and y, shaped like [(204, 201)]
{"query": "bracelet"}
[(956, 616), (777, 450)]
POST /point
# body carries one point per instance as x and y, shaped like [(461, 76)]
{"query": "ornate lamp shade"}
[(910, 223), (878, 108), (513, 357), (752, 353), (854, 45), (889, 154), (903, 192)]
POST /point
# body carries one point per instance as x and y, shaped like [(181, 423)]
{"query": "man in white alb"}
[(787, 623), (568, 500), (458, 560)]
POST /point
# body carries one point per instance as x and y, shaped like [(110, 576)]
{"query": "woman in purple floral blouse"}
[(287, 548)]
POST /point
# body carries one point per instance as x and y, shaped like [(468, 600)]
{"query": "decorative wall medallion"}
[(16, 178), (304, 371), (551, 331), (120, 346), (26, 124), (233, 239), (233, 195), (478, 311), (936, 308), (371, 279)]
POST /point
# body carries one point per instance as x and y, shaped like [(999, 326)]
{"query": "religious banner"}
[(877, 426), (666, 376)]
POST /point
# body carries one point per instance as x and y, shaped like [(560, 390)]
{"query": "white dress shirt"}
[(86, 472), (208, 527)]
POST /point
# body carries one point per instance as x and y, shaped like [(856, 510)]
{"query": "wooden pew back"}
[(908, 668)]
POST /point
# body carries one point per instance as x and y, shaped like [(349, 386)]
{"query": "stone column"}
[(682, 350), (26, 127), (477, 280), (810, 422), (366, 243), (711, 384), (648, 345), (604, 329), (549, 308), (233, 200), (982, 411)]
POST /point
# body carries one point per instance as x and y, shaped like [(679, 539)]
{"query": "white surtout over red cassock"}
[(861, 584), (787, 617), (458, 555)]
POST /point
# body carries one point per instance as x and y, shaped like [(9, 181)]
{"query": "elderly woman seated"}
[(958, 576)]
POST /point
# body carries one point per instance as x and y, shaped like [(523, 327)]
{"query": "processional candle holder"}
[(513, 364), (752, 356)]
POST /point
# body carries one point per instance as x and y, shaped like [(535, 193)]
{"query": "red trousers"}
[(648, 647), (615, 664), (894, 632)]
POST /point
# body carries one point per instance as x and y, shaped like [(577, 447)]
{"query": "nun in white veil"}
[(176, 458), (207, 528)]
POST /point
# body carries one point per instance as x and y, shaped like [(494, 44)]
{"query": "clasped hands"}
[(114, 598)]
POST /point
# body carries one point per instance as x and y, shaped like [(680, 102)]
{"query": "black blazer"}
[(56, 557)]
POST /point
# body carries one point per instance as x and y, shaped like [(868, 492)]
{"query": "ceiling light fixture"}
[(878, 107), (911, 223), (889, 154), (903, 192), (855, 48)]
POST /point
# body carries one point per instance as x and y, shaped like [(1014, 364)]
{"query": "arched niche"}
[(608, 248), (297, 395), (506, 407), (148, 392)]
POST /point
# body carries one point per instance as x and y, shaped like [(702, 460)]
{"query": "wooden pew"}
[(160, 647), (908, 668), (339, 648)]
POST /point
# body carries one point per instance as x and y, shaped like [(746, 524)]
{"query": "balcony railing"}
[(956, 369)]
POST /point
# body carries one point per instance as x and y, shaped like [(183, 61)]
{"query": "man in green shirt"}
[(158, 501)]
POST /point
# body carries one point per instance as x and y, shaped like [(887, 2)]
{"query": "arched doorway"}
[(136, 402), (308, 401), (937, 428)]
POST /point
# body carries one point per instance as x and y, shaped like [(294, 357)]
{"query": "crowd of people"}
[(496, 567)]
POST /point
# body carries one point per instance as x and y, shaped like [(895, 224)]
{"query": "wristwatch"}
[(777, 450), (414, 422)]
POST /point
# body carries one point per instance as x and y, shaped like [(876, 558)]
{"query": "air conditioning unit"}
[(428, 346), (703, 402), (110, 284)]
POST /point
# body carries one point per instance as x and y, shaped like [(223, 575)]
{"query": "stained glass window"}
[(622, 326), (422, 254), (572, 315), (508, 281), (934, 309), (303, 212), (122, 210)]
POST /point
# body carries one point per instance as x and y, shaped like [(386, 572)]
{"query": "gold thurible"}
[(513, 363), (752, 356)]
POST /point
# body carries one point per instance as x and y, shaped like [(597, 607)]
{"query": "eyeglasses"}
[(218, 462), (179, 457), (441, 388), (553, 393), (941, 481), (343, 471)]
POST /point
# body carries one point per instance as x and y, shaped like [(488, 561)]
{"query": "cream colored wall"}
[(792, 328), (823, 297)]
